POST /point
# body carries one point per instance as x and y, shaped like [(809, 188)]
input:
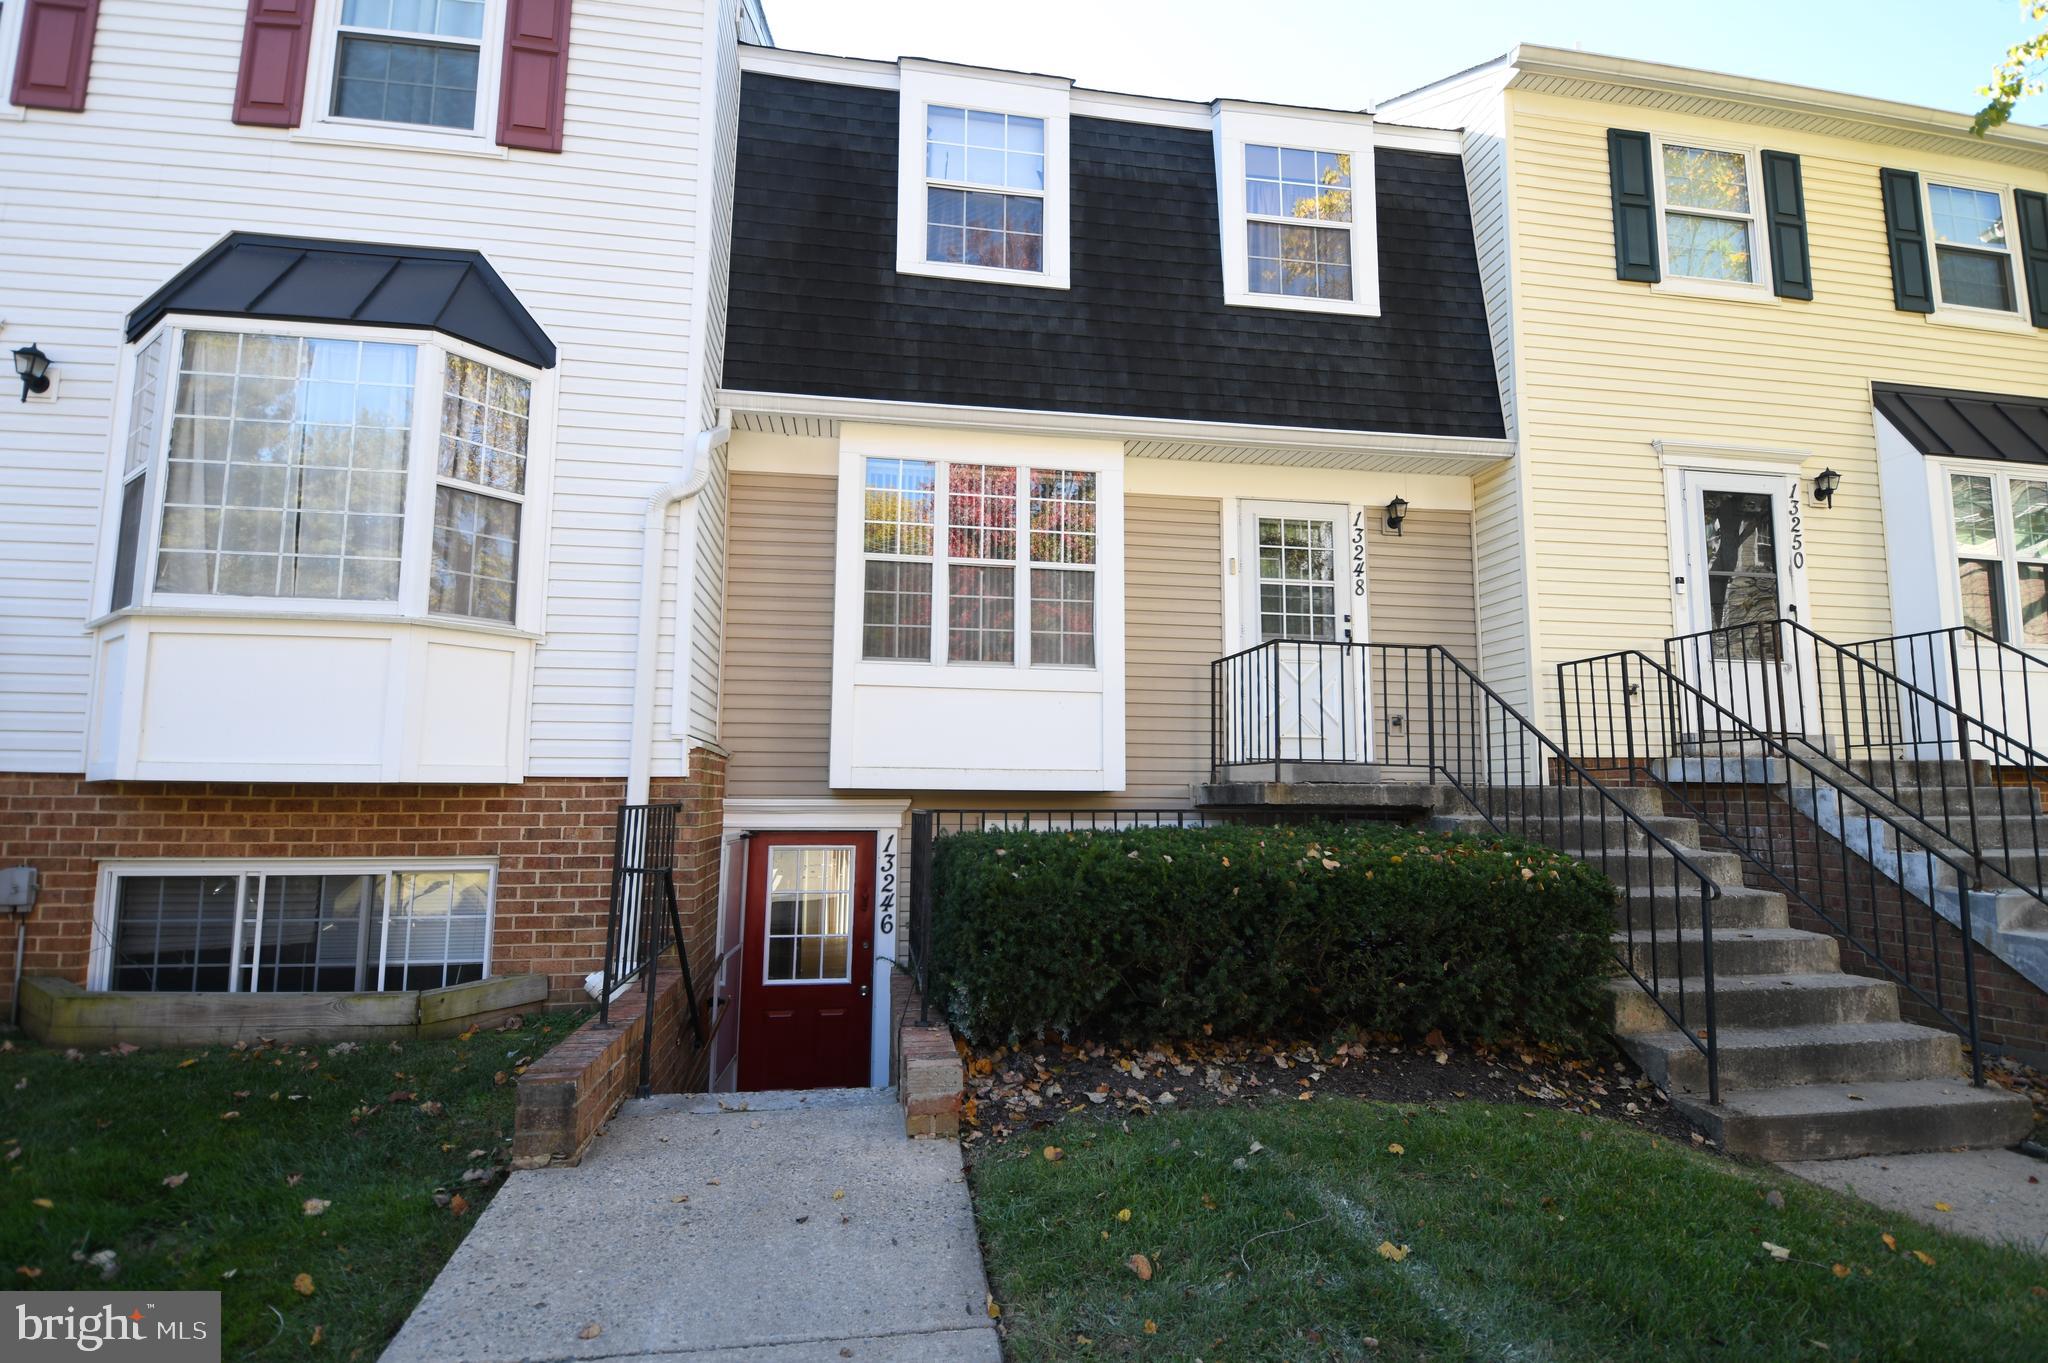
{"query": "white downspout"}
[(640, 754)]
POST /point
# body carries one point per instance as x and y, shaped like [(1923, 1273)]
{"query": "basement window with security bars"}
[(297, 928), (1005, 556)]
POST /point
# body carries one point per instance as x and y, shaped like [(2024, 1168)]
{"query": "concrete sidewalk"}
[(713, 1236), (1987, 1192)]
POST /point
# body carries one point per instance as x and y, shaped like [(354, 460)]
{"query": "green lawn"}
[(195, 1167), (1527, 1234)]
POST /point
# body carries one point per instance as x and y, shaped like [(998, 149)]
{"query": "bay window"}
[(294, 928), (285, 466), (2000, 526), (1005, 551)]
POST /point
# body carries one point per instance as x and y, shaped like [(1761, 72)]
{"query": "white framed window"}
[(1974, 269), (1998, 522), (1006, 557), (292, 926), (1297, 205), (10, 47), (417, 72), (265, 467), (983, 191), (1710, 215), (809, 933)]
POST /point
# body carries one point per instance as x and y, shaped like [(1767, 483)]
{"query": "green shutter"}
[(2032, 209), (1785, 219), (1906, 227), (1635, 206)]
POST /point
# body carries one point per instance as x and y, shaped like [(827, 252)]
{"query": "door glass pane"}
[(1742, 572), (1297, 578), (810, 915), (1982, 597)]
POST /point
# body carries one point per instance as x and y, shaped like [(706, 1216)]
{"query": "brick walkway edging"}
[(565, 1097)]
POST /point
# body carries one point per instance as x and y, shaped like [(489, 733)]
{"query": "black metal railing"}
[(1936, 725), (1811, 829), (1302, 702), (645, 920)]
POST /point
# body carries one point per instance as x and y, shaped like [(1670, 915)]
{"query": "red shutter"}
[(271, 90), (56, 53), (536, 81)]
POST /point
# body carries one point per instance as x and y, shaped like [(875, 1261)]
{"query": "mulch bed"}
[(1012, 1089)]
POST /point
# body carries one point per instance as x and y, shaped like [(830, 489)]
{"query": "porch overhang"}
[(805, 414), (1947, 422)]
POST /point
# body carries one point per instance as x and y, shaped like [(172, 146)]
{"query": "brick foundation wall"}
[(567, 1095), (1924, 947), (552, 839)]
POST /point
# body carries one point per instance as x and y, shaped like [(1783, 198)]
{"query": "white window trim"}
[(1237, 125), (100, 959), (318, 124), (422, 478), (1041, 97), (2001, 476), (2017, 317), (1020, 563), (10, 51), (852, 893), (1758, 288)]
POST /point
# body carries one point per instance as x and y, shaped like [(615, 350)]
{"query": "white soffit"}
[(1142, 437)]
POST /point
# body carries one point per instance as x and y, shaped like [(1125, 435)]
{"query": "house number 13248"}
[(1358, 553)]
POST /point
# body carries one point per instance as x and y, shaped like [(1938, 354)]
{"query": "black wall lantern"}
[(1824, 484), (1397, 511), (33, 368)]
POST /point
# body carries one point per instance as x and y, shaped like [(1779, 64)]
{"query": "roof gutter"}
[(640, 750)]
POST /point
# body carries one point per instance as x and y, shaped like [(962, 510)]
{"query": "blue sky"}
[(1343, 53)]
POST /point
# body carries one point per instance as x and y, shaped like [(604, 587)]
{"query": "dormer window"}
[(983, 193), (1285, 190), (985, 188), (1296, 209)]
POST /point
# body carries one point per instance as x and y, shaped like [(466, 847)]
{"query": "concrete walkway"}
[(714, 1236), (1986, 1191)]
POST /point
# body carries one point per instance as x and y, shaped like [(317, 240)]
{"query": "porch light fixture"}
[(1397, 511), (1824, 484), (32, 366)]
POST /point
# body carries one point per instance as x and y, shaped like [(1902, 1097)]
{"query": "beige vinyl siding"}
[(776, 716), (777, 695), (1606, 367), (1173, 631), (1419, 584)]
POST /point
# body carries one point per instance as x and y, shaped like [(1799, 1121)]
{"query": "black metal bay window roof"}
[(1960, 425), (296, 279)]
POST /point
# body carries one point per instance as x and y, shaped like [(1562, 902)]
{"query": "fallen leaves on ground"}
[(590, 1331), (1141, 1266), (303, 1284), (315, 1206), (1778, 1252), (458, 1204), (175, 1180), (1390, 1250)]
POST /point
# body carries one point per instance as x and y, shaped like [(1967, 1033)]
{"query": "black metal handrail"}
[(645, 920), (1626, 709), (1905, 709)]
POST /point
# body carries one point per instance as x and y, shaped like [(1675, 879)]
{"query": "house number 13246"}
[(885, 895)]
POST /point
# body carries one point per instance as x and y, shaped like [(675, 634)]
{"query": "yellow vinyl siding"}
[(1419, 584), (1606, 367)]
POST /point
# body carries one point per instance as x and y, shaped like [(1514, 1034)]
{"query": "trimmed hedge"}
[(1162, 933)]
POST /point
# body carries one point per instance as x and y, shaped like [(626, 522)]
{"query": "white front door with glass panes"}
[(1999, 524), (1735, 577), (292, 928), (1306, 695)]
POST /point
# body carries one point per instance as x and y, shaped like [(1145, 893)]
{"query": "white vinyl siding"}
[(158, 129)]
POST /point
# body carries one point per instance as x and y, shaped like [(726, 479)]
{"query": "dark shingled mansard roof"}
[(818, 308), (296, 279)]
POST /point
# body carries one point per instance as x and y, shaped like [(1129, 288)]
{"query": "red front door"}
[(808, 968)]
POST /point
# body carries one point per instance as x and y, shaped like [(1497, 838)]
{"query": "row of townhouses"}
[(444, 421)]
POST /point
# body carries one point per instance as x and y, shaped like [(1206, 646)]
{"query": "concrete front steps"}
[(1815, 1063)]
